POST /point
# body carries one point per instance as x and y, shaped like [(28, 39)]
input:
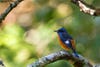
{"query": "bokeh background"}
[(27, 33)]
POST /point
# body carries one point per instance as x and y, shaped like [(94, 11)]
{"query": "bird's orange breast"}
[(65, 45), (62, 44)]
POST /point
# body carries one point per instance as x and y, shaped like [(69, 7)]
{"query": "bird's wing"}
[(73, 43), (68, 44), (66, 36), (68, 40)]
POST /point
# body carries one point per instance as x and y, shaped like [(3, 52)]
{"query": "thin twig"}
[(10, 7)]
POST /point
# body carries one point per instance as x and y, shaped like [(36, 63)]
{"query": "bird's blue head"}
[(61, 30)]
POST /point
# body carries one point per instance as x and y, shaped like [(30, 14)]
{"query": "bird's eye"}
[(62, 31)]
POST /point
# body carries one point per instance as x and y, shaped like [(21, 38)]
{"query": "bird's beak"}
[(55, 31)]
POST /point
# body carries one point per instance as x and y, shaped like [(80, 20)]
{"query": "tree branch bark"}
[(86, 8), (10, 7), (62, 55)]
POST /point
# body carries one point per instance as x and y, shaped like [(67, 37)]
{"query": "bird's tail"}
[(75, 53)]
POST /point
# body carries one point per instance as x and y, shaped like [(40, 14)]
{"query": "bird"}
[(66, 41)]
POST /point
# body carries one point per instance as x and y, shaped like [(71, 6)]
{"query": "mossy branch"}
[(86, 8), (62, 55)]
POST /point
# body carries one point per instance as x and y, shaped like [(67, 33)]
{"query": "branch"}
[(10, 7), (86, 8), (62, 55)]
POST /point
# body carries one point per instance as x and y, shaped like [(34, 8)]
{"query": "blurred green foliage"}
[(49, 15), (45, 15)]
